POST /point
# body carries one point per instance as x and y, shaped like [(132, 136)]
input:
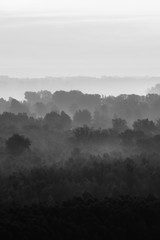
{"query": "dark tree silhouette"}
[(17, 144), (144, 125), (119, 125), (58, 121)]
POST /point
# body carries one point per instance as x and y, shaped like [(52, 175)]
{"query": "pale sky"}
[(79, 37), (86, 7)]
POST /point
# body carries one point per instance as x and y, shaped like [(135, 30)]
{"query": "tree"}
[(119, 125), (88, 101), (40, 109), (58, 121), (45, 96), (102, 117), (65, 121), (64, 100), (82, 117), (17, 107), (32, 97), (82, 133), (144, 125), (52, 119), (17, 144)]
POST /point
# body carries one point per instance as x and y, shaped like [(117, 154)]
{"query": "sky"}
[(41, 38), (83, 6)]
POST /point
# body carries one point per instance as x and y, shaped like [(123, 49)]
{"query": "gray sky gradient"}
[(39, 45), (60, 46), (82, 7)]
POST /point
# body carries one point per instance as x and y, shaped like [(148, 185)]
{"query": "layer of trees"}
[(104, 162), (91, 108), (58, 132), (97, 156)]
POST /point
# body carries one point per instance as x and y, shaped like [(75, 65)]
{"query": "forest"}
[(82, 166)]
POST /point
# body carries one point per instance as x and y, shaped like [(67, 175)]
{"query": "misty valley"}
[(80, 119), (81, 166)]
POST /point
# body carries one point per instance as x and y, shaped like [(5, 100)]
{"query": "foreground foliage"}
[(83, 218)]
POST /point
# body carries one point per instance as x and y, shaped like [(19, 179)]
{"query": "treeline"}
[(56, 135), (97, 110), (62, 120)]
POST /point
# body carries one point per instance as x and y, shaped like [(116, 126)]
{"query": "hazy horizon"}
[(70, 38), (104, 85), (67, 45)]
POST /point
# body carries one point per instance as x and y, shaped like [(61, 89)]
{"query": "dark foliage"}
[(92, 171), (17, 144), (83, 218)]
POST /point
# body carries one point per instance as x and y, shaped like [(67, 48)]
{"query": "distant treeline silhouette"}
[(90, 109)]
